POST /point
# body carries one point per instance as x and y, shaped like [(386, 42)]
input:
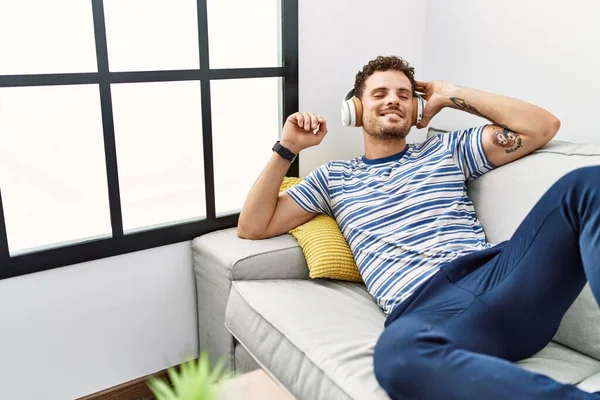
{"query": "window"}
[(254, 130), (116, 127), (53, 170)]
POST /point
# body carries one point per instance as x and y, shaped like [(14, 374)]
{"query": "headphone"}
[(352, 109)]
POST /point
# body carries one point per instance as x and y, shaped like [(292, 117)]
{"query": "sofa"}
[(258, 308)]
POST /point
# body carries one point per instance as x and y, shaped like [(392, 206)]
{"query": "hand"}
[(435, 96), (298, 131)]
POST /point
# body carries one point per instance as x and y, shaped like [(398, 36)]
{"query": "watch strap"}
[(284, 151)]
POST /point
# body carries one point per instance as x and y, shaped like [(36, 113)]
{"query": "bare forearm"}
[(509, 113), (260, 204), (300, 131)]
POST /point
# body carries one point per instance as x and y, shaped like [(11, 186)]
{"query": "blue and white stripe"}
[(405, 215)]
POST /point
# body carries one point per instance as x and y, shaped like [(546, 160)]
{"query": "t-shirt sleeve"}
[(466, 147), (312, 193)]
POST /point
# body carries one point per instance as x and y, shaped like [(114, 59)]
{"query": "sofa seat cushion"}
[(580, 327), (317, 338), (591, 384), (563, 364)]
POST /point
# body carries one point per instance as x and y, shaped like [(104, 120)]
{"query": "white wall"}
[(75, 330), (544, 52), (335, 41)]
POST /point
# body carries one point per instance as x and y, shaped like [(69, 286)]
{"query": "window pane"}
[(257, 42), (146, 35), (41, 36), (52, 168), (158, 132), (243, 135)]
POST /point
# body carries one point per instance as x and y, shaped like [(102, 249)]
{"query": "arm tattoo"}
[(463, 105), (509, 141), (501, 135)]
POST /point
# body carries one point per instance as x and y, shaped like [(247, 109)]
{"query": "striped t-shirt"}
[(405, 215)]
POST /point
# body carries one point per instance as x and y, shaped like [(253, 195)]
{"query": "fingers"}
[(309, 122), (428, 114), (424, 121), (314, 122), (306, 119), (297, 119), (420, 86), (322, 125)]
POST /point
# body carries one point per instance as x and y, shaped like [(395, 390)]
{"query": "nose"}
[(393, 99)]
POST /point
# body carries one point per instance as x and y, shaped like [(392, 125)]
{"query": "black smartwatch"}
[(284, 152)]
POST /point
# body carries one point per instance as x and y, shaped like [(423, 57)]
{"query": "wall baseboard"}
[(136, 389)]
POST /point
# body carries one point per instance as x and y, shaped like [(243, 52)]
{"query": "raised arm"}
[(518, 127), (266, 213)]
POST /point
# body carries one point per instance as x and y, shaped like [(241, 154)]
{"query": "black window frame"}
[(120, 243)]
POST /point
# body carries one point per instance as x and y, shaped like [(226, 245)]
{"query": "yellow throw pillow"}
[(325, 248)]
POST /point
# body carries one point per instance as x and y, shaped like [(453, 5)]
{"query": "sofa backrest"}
[(517, 187)]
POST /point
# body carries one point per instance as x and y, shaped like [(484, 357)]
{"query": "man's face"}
[(387, 105)]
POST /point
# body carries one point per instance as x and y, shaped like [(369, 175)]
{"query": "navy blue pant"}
[(459, 334)]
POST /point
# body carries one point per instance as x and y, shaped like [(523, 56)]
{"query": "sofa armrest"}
[(277, 258), (221, 257)]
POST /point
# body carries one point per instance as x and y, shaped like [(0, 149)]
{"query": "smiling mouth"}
[(391, 115)]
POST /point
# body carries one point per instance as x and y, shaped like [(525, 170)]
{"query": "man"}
[(460, 310)]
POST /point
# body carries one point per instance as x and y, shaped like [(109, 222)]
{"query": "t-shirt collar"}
[(393, 157)]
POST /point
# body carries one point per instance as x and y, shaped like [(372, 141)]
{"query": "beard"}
[(387, 132)]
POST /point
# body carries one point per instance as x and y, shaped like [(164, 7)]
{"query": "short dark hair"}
[(383, 63)]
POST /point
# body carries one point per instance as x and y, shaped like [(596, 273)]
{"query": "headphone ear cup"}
[(346, 113), (415, 113), (349, 113), (351, 110), (358, 111), (418, 108)]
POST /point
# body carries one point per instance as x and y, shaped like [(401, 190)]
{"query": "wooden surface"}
[(255, 385)]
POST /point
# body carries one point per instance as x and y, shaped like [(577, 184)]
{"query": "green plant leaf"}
[(173, 376), (161, 390), (195, 380), (218, 371)]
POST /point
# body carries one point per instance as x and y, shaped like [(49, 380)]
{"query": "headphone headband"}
[(349, 94)]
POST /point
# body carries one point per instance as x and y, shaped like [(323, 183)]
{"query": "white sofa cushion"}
[(514, 189), (562, 364), (317, 338), (591, 384), (580, 327)]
